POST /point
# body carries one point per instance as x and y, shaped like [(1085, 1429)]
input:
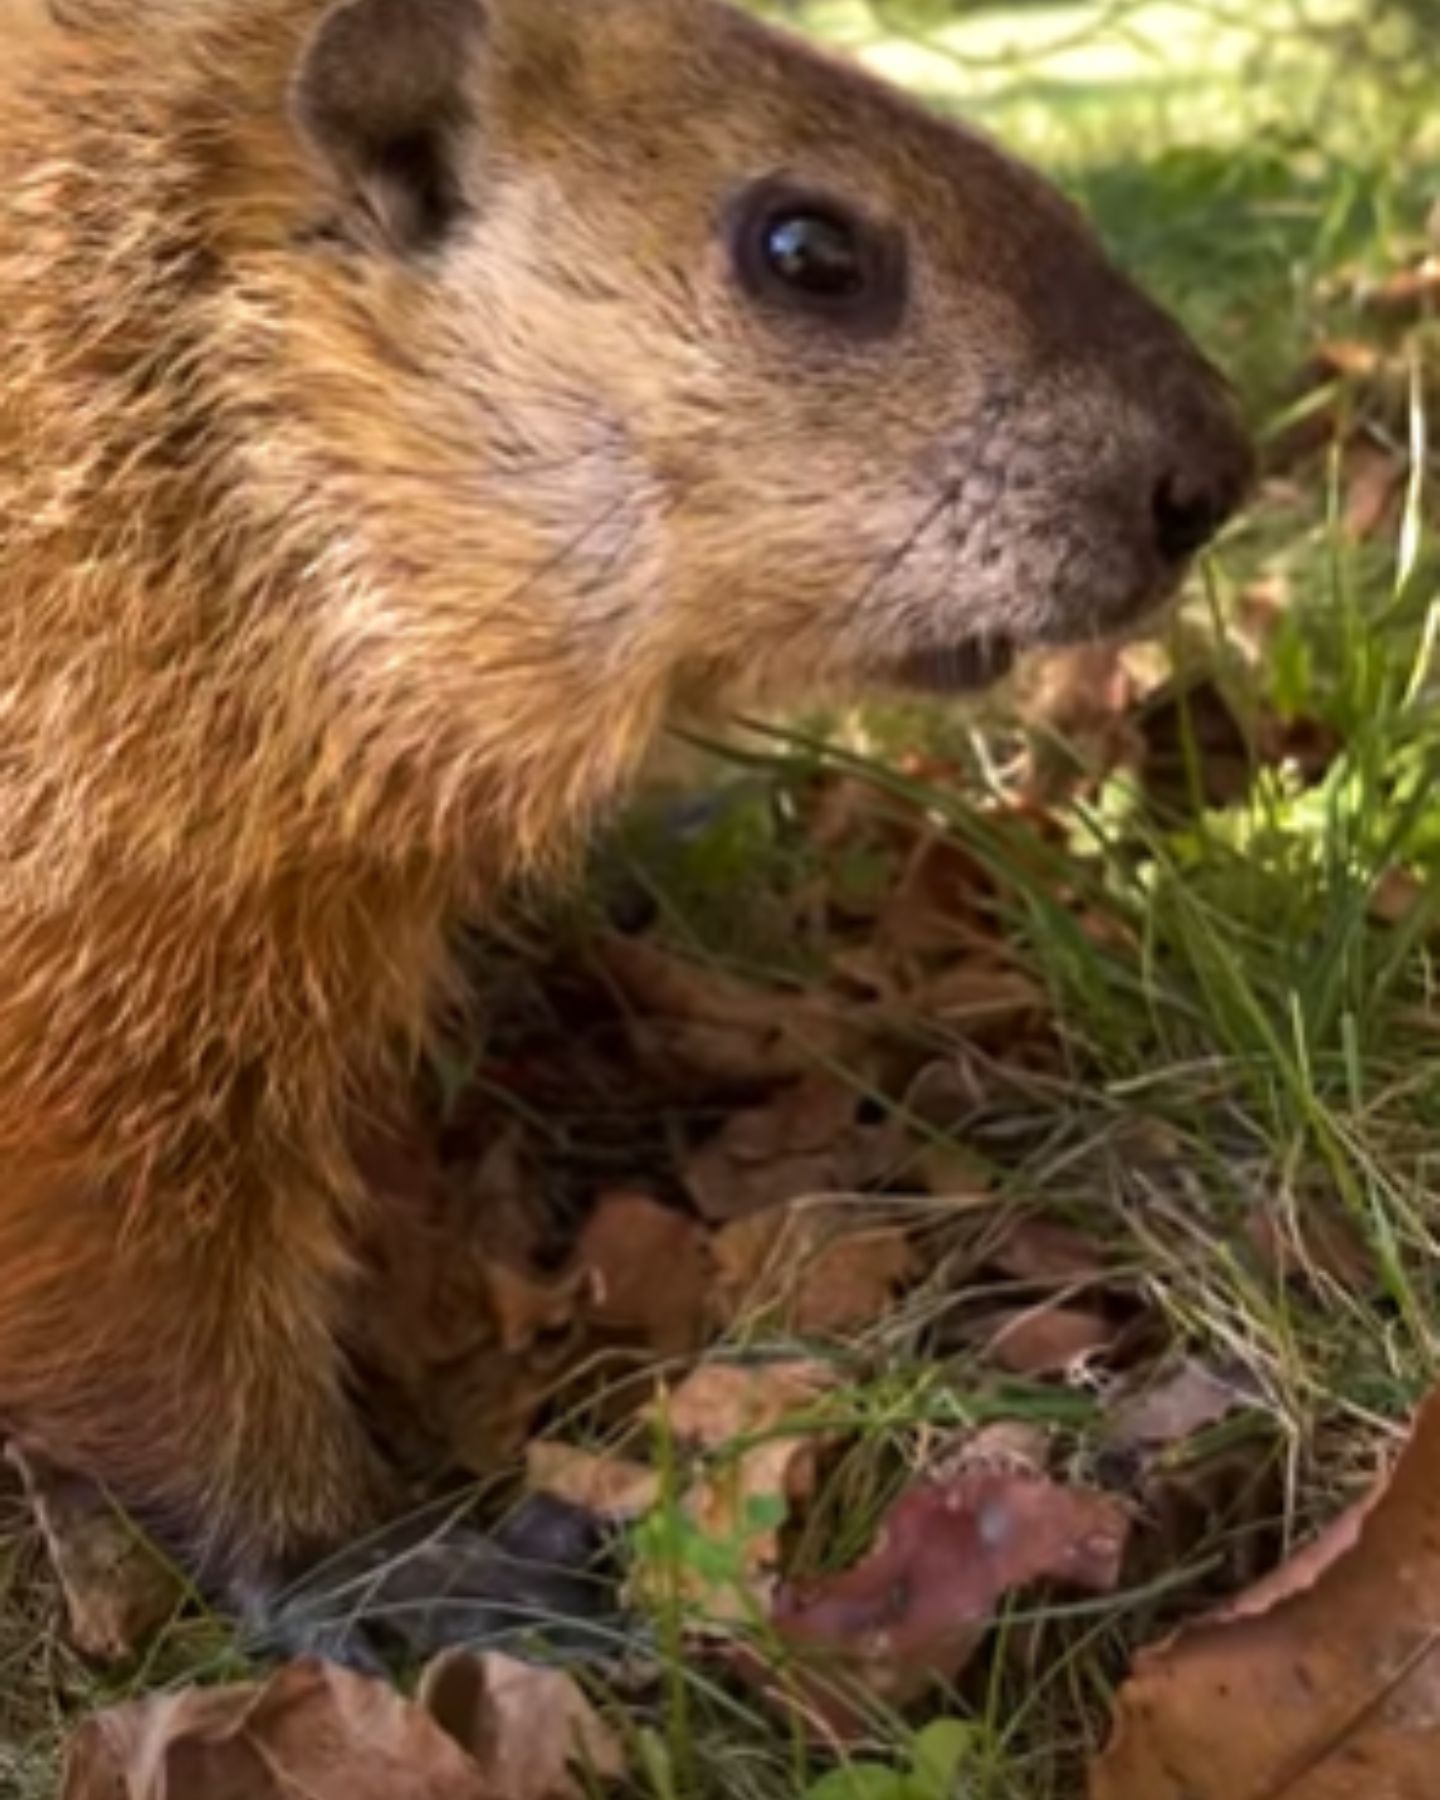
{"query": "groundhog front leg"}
[(190, 1365), (196, 1373)]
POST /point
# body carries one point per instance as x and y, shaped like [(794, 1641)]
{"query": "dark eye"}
[(816, 253), (817, 257)]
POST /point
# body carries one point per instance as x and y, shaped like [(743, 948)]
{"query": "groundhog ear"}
[(382, 93)]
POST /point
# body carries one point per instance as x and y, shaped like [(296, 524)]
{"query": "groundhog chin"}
[(971, 664), (966, 667)]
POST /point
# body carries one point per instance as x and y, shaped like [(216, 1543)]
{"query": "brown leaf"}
[(1080, 704), (456, 1326), (528, 1306), (717, 1026), (1049, 1253), (1348, 357), (954, 1175), (1373, 477), (312, 1729), (811, 1140), (524, 1726), (117, 1590), (481, 1728), (1396, 896), (740, 1501), (725, 1401), (1322, 1684), (941, 903), (1173, 1408), (1316, 1240), (1044, 1340), (610, 1486), (646, 1265), (1407, 294), (915, 1608), (813, 1268), (982, 996)]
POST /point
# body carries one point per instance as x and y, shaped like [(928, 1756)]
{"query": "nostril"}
[(1186, 521)]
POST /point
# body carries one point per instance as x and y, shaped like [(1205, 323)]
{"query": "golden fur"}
[(342, 584)]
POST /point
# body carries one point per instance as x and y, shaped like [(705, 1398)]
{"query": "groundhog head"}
[(782, 379)]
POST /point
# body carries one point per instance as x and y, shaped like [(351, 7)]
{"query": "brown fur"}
[(346, 578)]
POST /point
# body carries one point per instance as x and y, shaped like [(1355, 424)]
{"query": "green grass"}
[(1266, 1029), (1261, 1034)]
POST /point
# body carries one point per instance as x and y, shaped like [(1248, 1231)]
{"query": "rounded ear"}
[(382, 94)]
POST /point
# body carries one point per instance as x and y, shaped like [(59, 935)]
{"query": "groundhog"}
[(406, 407)]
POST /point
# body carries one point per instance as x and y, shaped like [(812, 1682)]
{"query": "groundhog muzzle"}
[(404, 408)]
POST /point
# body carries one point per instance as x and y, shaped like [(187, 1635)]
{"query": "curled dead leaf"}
[(1406, 294), (646, 1268), (1323, 1683), (815, 1138), (311, 1729), (1044, 1340), (1373, 476), (610, 1486), (457, 1324), (981, 997), (723, 1402), (816, 1268), (530, 1730), (715, 1025), (1166, 1411), (117, 1588), (1315, 1242), (717, 1550), (1048, 1253), (915, 1608), (480, 1728), (1398, 896)]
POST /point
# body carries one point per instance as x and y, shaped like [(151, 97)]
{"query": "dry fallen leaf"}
[(609, 1486), (1044, 1340), (117, 1589), (1373, 475), (814, 1268), (915, 1608), (312, 1729), (815, 1138), (460, 1328), (647, 1272), (983, 999), (481, 1728), (1167, 1411), (1312, 1241), (714, 1025), (1397, 896), (1407, 294), (1321, 1684), (940, 904), (525, 1726), (1079, 704), (1046, 1252), (719, 1551)]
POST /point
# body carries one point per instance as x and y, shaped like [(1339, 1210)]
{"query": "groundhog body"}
[(403, 410)]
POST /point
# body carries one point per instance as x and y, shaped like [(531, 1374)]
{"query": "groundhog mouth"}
[(963, 667)]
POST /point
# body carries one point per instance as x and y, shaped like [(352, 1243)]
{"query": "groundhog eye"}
[(815, 255), (816, 258)]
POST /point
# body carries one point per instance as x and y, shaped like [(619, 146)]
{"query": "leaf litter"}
[(651, 1149), (479, 1728), (1320, 1683)]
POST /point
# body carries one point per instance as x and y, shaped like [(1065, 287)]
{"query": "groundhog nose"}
[(1191, 501), (1187, 518)]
